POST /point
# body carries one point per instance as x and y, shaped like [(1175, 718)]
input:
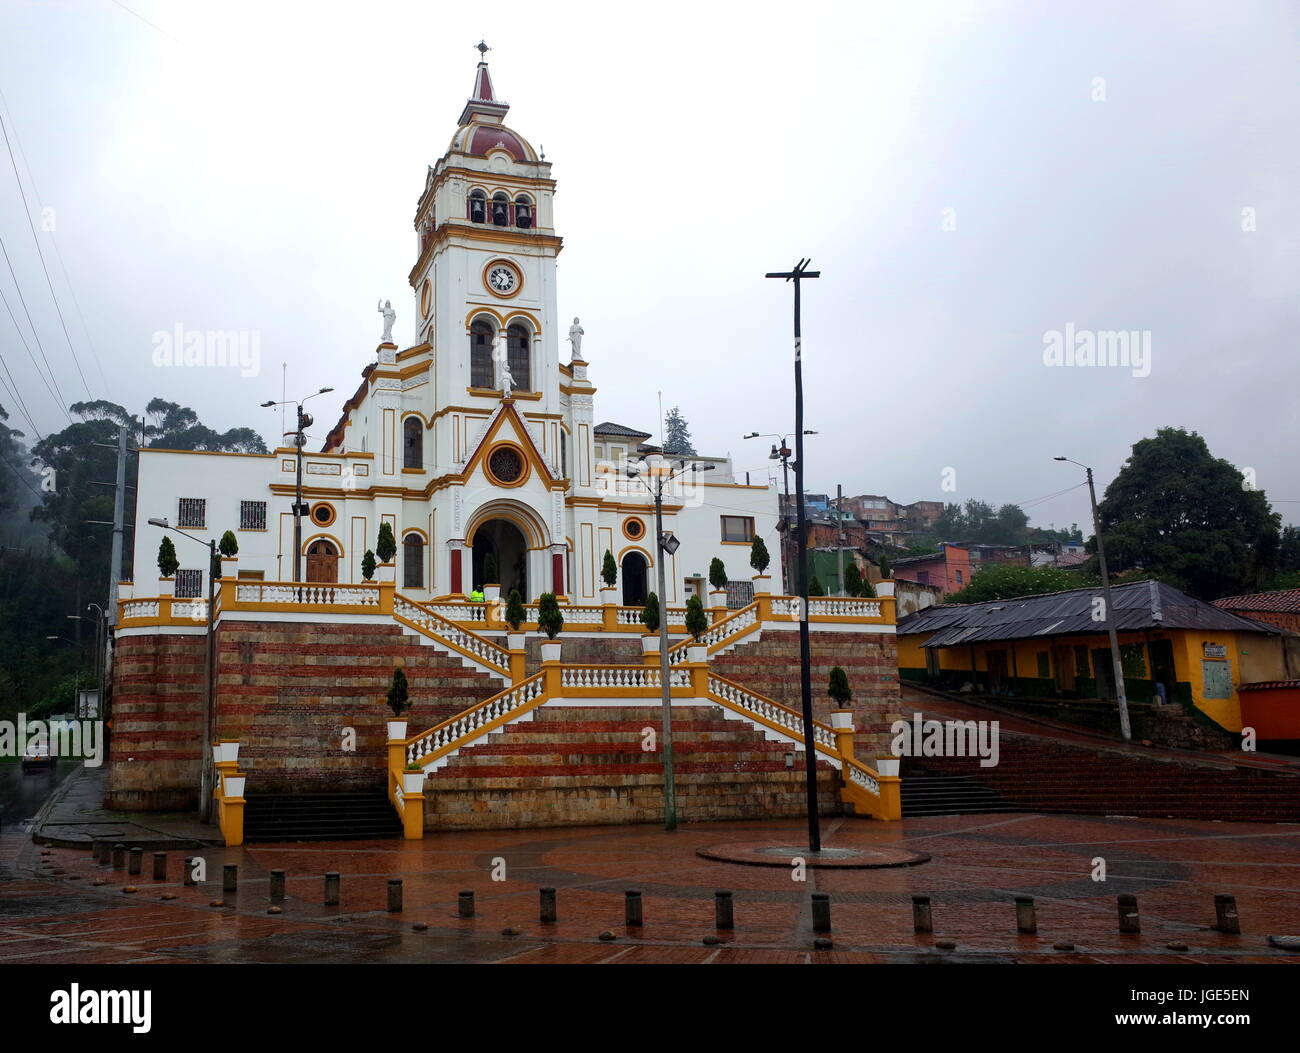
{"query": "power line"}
[(28, 348), (27, 211), (55, 393)]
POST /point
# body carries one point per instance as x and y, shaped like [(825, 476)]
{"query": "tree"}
[(514, 610), (386, 546), (368, 566), (398, 693), (491, 575), (549, 618), (815, 587), (1179, 512), (852, 580), (167, 561), (884, 565), (758, 556), (717, 573), (677, 435), (609, 570), (650, 613), (18, 486), (229, 544), (1003, 581), (838, 689), (697, 622)]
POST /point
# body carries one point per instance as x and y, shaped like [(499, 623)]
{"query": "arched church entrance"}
[(502, 542), (322, 562), (634, 579)]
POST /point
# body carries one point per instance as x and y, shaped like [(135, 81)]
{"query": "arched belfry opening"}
[(503, 542)]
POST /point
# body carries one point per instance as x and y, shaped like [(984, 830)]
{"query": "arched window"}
[(412, 562), (412, 443), (481, 335), (523, 212), (477, 206), (518, 356), (500, 209)]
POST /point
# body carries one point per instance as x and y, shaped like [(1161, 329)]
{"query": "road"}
[(23, 793)]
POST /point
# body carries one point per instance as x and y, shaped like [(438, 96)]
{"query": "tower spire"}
[(483, 102)]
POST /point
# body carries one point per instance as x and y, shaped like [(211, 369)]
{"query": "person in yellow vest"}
[(476, 596)]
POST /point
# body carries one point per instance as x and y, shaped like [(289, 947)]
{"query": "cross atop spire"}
[(483, 102)]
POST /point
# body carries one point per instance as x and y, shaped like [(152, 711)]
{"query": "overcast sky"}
[(967, 177)]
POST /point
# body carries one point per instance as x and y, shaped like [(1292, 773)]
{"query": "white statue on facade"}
[(505, 381), (390, 316), (575, 338)]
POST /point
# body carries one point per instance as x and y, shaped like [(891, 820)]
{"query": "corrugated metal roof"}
[(1138, 605)]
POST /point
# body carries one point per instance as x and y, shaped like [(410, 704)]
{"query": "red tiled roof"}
[(1284, 600)]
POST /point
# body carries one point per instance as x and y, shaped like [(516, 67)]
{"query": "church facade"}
[(479, 445)]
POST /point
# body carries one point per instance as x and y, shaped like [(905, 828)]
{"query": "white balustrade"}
[(140, 609), (772, 712), (637, 676), (308, 594), (471, 724), (860, 777), (439, 628)]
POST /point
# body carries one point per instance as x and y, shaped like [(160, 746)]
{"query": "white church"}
[(478, 445)]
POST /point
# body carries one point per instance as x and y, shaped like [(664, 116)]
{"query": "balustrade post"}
[(699, 672), (842, 724), (608, 614), (386, 591), (764, 612)]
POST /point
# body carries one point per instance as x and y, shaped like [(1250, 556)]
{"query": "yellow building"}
[(1173, 648)]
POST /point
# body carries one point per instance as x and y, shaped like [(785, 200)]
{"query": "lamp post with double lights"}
[(209, 669), (782, 453), (665, 545), (305, 421), (1121, 697)]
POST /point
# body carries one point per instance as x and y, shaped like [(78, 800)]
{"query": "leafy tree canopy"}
[(677, 434), (1002, 581)]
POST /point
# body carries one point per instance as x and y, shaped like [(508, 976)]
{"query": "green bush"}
[(398, 694), (852, 580), (838, 688), (491, 575), (815, 587), (386, 546), (229, 544), (696, 620), (368, 566), (549, 618), (515, 613), (167, 561), (717, 574), (758, 557), (609, 570), (650, 613)]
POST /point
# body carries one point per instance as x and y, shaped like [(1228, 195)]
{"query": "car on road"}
[(36, 757)]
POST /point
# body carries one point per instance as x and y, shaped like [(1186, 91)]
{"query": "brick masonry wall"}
[(770, 666), (288, 691), (157, 722)]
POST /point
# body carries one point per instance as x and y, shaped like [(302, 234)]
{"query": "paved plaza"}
[(58, 905)]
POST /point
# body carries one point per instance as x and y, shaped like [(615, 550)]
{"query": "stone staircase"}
[(949, 795), (580, 765), (319, 817), (290, 692)]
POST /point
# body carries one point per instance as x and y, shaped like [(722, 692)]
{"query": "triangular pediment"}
[(506, 425)]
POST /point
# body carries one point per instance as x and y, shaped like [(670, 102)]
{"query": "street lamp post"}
[(209, 670), (665, 545), (797, 275), (1120, 695), (304, 421)]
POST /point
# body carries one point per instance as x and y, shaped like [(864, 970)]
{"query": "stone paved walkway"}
[(52, 910)]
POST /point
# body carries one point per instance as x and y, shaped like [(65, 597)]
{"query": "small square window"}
[(737, 528), (189, 584), (252, 515), (192, 513)]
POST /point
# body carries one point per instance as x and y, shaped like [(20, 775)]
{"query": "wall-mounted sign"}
[(1214, 650)]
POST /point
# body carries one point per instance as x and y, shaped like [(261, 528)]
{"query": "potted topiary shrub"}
[(491, 579), (550, 621), (228, 546), (852, 580), (759, 560), (368, 566), (413, 779), (609, 575), (399, 702), (650, 619), (386, 549), (815, 587), (840, 695), (718, 579), (167, 567), (515, 615), (697, 622)]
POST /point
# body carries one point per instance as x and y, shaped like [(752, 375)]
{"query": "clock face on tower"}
[(502, 279)]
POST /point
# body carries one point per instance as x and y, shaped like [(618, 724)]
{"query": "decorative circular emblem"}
[(634, 529), (426, 298), (506, 464), (323, 514)]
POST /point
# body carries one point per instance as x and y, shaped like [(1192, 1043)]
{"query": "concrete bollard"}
[(100, 848), (821, 912), (394, 895), (135, 860), (632, 910), (1026, 915), (188, 878), (1225, 914), (465, 904), (160, 866), (722, 910), (332, 888), (922, 915), (230, 877), (277, 886), (119, 857), (547, 896), (1129, 921)]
